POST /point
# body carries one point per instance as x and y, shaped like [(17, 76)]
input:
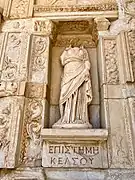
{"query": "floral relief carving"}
[(10, 69), (39, 61), (4, 127), (32, 128), (112, 73), (39, 57), (14, 62), (19, 8), (131, 41)]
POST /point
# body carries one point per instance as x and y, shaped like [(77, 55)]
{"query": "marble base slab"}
[(74, 148)]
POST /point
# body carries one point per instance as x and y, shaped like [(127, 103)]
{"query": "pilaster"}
[(114, 106)]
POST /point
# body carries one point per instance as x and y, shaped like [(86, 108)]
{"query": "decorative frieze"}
[(14, 59), (111, 64), (75, 8), (31, 141), (38, 69), (78, 40)]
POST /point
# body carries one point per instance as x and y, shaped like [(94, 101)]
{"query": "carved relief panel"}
[(34, 117), (10, 130), (111, 63), (13, 65), (18, 9), (38, 70)]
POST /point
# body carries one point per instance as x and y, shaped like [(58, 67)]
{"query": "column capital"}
[(45, 27), (102, 23)]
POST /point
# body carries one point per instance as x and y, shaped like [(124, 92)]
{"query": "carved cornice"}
[(81, 8), (76, 33)]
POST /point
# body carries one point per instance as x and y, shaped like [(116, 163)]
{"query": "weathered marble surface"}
[(74, 148), (27, 46)]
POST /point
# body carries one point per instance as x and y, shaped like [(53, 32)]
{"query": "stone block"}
[(109, 91), (120, 144), (74, 148)]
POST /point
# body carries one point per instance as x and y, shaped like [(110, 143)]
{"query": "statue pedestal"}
[(58, 125), (74, 148)]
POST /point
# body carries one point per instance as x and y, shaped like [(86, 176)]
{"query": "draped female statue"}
[(76, 91)]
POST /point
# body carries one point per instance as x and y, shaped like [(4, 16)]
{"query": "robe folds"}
[(76, 93)]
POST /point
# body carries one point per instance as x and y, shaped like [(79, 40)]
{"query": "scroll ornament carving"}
[(11, 88), (76, 91), (8, 88), (4, 129), (39, 49), (39, 59), (32, 131), (131, 40), (11, 60), (112, 73), (9, 69)]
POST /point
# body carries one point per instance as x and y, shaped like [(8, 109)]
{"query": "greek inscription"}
[(91, 160), (50, 149), (72, 155), (69, 149), (73, 161), (53, 160), (83, 161)]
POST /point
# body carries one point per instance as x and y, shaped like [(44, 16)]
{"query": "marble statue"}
[(76, 91)]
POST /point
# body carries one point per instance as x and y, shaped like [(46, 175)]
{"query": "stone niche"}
[(74, 147), (75, 33)]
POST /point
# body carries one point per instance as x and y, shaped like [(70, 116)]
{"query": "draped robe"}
[(76, 91)]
